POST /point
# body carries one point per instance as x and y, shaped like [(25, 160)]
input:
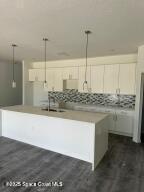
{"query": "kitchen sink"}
[(53, 110)]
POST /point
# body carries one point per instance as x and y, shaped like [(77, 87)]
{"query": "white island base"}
[(87, 141)]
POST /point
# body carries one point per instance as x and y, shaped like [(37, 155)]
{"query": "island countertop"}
[(89, 117)]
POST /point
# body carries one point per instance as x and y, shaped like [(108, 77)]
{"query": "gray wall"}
[(8, 95)]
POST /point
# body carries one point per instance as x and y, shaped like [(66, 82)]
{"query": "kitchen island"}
[(82, 135)]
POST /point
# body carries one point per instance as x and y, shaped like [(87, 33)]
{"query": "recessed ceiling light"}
[(63, 54), (112, 50)]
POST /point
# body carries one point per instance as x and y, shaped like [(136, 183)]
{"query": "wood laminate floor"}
[(121, 170)]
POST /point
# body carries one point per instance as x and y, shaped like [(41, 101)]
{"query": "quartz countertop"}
[(90, 117)]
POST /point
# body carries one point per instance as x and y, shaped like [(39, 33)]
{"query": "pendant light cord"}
[(13, 64), (45, 60), (45, 47), (85, 80), (86, 57), (13, 46)]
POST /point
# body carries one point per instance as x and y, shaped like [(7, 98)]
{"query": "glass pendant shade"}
[(45, 85), (13, 84), (85, 83), (13, 67)]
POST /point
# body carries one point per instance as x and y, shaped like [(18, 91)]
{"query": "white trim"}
[(116, 59), (23, 82), (138, 104), (138, 140)]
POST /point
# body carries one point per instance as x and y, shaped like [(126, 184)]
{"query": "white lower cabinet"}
[(124, 124), (121, 122), (111, 122)]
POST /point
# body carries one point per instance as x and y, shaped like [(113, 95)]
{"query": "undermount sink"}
[(53, 110)]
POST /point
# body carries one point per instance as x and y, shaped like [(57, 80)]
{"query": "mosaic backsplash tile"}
[(123, 101)]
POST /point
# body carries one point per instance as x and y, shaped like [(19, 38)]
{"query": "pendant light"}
[(85, 83), (13, 68), (45, 58)]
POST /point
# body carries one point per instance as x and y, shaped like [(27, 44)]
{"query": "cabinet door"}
[(112, 122), (73, 72), (65, 73), (111, 78), (36, 75), (82, 79), (41, 75), (58, 81), (50, 79), (127, 79), (70, 73), (124, 124), (32, 75), (97, 77)]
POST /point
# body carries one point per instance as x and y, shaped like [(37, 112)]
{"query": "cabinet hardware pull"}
[(118, 91)]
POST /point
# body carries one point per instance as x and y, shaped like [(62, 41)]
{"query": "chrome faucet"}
[(49, 100)]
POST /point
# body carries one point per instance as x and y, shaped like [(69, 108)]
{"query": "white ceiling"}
[(117, 26)]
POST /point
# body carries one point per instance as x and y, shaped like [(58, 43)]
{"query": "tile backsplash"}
[(123, 101)]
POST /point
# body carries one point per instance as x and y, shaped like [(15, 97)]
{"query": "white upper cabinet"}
[(36, 75), (54, 79), (32, 75), (97, 79), (70, 73), (101, 78), (50, 79), (111, 74), (127, 78), (58, 81), (81, 80), (124, 124)]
